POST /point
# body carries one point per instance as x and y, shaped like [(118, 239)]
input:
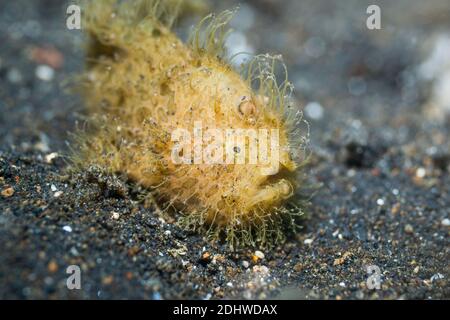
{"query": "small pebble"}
[(115, 215), (409, 229), (58, 194), (157, 296), (445, 222), (107, 280), (52, 266), (208, 296), (420, 172), (67, 228), (341, 260), (259, 254), (7, 192), (437, 276), (396, 208), (14, 76), (51, 156), (45, 73), (74, 251), (314, 110), (245, 264), (308, 241), (206, 256), (261, 269)]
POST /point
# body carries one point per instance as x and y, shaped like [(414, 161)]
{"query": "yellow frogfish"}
[(218, 145)]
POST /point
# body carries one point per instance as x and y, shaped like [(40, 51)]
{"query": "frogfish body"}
[(178, 120)]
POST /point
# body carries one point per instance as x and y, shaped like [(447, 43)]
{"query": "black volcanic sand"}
[(379, 171)]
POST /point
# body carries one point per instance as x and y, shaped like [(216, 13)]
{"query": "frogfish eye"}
[(247, 108)]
